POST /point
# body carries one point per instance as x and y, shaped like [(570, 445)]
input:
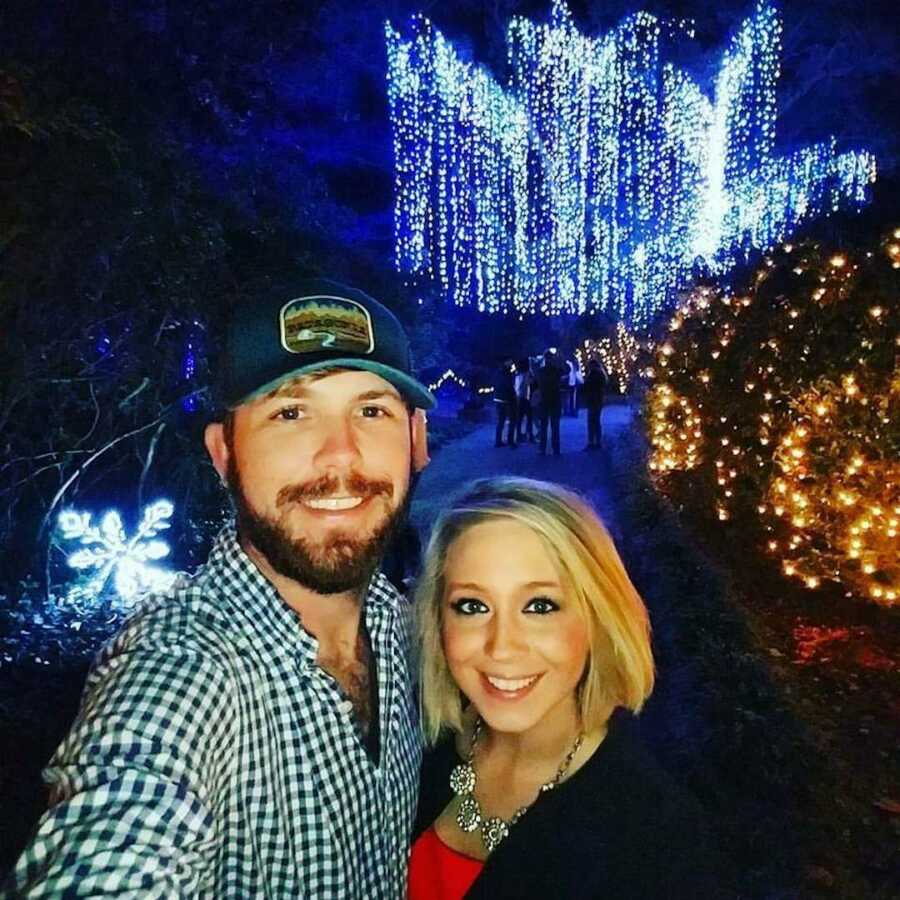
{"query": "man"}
[(594, 390), (549, 378), (253, 733), (524, 382)]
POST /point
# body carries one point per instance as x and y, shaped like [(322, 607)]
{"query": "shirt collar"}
[(263, 613)]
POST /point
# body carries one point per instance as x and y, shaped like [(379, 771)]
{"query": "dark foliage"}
[(109, 257), (119, 264), (725, 726)]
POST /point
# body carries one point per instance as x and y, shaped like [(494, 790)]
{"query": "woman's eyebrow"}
[(464, 586), (473, 586)]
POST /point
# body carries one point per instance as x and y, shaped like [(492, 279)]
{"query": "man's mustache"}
[(354, 485)]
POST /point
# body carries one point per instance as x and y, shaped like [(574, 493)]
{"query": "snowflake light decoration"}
[(107, 550)]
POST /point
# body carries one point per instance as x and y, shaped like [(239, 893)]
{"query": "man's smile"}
[(332, 504)]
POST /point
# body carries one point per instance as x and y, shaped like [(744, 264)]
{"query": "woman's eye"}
[(541, 606), (468, 606)]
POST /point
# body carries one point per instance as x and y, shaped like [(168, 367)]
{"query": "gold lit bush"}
[(777, 406), (834, 501), (675, 431)]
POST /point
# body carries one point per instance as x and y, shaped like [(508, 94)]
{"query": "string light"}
[(192, 351), (676, 432), (449, 375), (599, 174), (844, 505)]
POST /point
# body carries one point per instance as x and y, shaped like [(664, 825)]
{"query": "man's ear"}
[(418, 432), (217, 448)]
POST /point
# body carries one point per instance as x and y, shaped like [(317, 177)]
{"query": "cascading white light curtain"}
[(600, 174)]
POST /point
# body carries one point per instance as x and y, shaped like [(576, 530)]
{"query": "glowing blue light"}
[(599, 175), (189, 367), (103, 343), (127, 562)]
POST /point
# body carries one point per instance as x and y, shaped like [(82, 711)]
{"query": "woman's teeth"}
[(334, 503), (509, 684)]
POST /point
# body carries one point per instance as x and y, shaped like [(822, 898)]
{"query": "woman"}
[(531, 636), (524, 413)]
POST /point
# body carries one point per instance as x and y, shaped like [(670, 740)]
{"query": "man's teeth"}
[(334, 502), (505, 684)]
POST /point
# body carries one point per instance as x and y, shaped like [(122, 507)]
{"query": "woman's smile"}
[(509, 688)]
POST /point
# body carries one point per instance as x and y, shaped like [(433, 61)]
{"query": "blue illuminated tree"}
[(599, 175)]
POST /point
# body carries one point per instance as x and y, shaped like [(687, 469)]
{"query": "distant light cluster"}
[(448, 376), (599, 176), (619, 354)]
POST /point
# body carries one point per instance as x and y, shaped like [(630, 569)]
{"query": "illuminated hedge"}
[(780, 406), (835, 499)]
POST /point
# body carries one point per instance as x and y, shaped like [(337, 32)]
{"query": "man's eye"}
[(289, 413), (468, 606), (541, 606), (373, 412)]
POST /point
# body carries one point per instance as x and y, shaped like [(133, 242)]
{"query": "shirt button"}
[(345, 707)]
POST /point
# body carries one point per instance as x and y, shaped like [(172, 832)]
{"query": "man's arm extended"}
[(136, 784)]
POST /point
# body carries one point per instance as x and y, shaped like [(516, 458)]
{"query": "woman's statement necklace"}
[(469, 816)]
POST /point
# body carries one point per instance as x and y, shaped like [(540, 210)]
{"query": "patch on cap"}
[(323, 323)]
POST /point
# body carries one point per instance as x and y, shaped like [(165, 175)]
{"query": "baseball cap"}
[(310, 326)]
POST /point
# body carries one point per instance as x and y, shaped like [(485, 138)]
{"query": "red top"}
[(438, 872)]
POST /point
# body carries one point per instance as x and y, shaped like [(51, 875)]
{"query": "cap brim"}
[(413, 391)]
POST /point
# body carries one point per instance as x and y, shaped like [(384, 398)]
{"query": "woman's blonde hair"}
[(620, 664)]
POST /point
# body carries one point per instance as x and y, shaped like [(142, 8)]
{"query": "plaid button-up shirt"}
[(212, 757)]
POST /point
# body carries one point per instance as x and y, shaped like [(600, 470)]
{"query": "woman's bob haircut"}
[(619, 671)]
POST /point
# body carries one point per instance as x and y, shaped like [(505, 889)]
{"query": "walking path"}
[(475, 456)]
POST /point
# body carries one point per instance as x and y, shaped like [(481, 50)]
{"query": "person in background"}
[(505, 401), (574, 380), (550, 376), (534, 369), (252, 733), (525, 414), (534, 651), (593, 392)]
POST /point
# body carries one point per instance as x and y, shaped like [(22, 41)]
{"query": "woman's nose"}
[(505, 637)]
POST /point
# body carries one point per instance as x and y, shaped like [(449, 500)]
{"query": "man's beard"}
[(335, 565)]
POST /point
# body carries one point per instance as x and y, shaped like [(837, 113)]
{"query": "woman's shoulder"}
[(628, 772), (629, 802)]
